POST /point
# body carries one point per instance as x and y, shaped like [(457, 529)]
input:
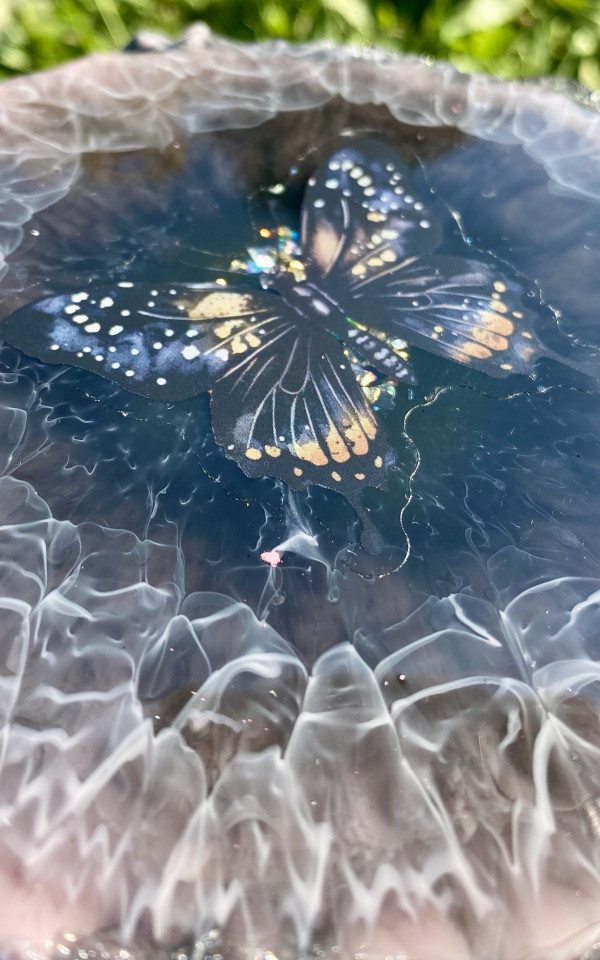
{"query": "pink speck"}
[(272, 557)]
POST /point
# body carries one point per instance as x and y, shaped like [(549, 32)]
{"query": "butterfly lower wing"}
[(470, 311), (302, 418), (359, 201), (165, 344)]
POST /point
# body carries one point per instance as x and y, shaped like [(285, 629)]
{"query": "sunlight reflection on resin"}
[(300, 478)]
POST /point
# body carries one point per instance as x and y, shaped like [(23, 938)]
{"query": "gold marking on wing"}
[(298, 471), (215, 305), (475, 350), (369, 425), (336, 476), (324, 246), (489, 339), (498, 324), (498, 306), (238, 345), (357, 439), (336, 446), (272, 451), (312, 452), (225, 329), (499, 286), (253, 453), (357, 432)]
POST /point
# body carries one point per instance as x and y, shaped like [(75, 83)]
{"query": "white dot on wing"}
[(130, 373)]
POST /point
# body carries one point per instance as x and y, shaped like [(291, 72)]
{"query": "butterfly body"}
[(290, 366)]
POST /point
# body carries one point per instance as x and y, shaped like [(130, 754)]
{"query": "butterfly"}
[(296, 365)]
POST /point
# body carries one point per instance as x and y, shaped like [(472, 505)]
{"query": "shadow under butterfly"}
[(296, 368)]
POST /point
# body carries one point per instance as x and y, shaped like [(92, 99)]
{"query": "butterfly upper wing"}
[(467, 310), (285, 401), (372, 239), (166, 344), (356, 203)]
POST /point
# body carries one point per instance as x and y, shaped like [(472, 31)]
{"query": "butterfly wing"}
[(469, 311), (166, 344), (372, 241), (358, 201), (301, 417), (285, 401)]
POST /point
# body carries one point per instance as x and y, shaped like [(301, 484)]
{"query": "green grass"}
[(508, 38)]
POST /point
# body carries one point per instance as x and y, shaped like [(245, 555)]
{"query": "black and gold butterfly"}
[(291, 366)]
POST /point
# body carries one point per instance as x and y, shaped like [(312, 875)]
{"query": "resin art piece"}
[(299, 500)]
